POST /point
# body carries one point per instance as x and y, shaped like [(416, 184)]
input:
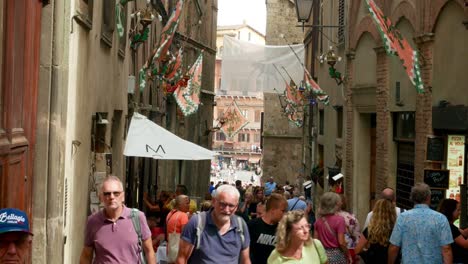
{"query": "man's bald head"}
[(388, 194)]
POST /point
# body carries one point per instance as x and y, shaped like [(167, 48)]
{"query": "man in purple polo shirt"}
[(221, 240), (110, 233)]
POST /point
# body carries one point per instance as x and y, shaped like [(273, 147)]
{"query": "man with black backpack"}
[(218, 235)]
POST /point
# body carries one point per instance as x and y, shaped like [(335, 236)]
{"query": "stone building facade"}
[(386, 122), (284, 145)]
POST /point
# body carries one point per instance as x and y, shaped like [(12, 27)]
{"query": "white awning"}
[(147, 139)]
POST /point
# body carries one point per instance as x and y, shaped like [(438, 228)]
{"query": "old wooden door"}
[(20, 28)]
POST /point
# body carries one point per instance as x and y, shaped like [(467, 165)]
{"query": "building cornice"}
[(423, 38)]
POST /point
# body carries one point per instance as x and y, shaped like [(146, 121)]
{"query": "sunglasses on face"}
[(108, 194), (19, 242)]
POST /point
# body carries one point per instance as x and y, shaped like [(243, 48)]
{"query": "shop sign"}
[(455, 163)]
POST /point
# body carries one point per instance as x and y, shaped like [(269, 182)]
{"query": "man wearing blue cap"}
[(15, 236)]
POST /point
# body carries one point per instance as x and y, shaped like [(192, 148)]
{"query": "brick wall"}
[(383, 119), (423, 105)]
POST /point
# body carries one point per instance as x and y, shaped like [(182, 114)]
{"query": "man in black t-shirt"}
[(263, 230)]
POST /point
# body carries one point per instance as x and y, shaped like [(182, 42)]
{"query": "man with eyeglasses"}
[(15, 236), (110, 234), (224, 237)]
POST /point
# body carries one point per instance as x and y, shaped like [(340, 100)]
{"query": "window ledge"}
[(106, 39), (84, 21)]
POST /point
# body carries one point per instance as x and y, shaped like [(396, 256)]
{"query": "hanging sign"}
[(455, 163)]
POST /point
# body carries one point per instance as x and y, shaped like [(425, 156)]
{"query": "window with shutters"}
[(220, 136), (108, 21), (245, 113), (257, 137), (258, 116), (341, 21), (243, 137)]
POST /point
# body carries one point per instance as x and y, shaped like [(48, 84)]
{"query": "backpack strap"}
[(136, 222), (135, 215), (240, 229), (201, 217), (201, 222), (294, 205)]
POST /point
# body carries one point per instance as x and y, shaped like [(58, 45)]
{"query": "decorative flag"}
[(292, 95), (192, 93), (234, 120), (311, 85), (118, 16), (167, 33), (396, 44), (184, 106), (188, 97), (174, 69), (293, 115), (142, 78), (158, 59)]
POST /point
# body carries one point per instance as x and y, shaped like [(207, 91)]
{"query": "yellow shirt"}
[(309, 255)]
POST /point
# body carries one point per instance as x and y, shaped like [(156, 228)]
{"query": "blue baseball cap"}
[(13, 220)]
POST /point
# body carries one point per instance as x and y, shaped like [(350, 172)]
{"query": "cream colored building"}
[(244, 148), (86, 96)]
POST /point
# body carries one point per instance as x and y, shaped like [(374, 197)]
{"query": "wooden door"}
[(19, 53)]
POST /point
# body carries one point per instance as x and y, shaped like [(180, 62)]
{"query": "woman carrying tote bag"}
[(176, 220), (330, 229)]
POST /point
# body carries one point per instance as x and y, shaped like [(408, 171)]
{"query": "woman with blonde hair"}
[(293, 241), (374, 240), (330, 229)]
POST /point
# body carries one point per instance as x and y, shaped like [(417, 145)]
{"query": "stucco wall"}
[(97, 83), (450, 79), (426, 25)]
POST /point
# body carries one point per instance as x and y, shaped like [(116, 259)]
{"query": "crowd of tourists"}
[(264, 224)]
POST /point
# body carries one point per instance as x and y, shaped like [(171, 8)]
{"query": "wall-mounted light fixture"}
[(221, 121), (331, 58), (303, 11)]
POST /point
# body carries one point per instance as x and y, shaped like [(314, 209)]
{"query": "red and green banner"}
[(188, 97), (312, 86), (293, 95), (233, 119), (395, 44), (158, 62), (167, 33)]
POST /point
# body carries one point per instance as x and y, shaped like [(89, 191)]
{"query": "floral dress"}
[(352, 232)]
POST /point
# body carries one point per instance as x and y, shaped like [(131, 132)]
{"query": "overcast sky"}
[(233, 12)]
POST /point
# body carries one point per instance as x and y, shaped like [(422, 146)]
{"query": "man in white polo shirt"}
[(389, 194)]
